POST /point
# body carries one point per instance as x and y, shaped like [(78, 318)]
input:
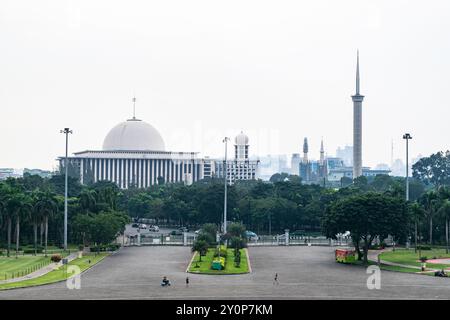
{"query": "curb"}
[(190, 262), (248, 261)]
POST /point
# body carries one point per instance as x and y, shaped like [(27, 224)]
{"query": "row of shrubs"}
[(103, 248)]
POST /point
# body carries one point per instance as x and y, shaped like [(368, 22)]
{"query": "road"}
[(304, 273)]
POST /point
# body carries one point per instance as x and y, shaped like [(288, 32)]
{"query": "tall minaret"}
[(305, 150), (357, 126), (322, 152)]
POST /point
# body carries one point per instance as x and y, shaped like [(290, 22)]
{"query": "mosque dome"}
[(241, 139), (133, 135)]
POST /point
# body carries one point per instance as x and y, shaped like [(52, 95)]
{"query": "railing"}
[(262, 240)]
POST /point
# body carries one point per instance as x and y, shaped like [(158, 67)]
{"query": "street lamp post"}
[(407, 137), (66, 131), (225, 166)]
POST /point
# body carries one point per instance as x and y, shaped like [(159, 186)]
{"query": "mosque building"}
[(134, 155)]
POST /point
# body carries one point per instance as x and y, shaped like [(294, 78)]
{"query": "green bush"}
[(221, 250), (31, 251), (103, 248), (220, 260), (238, 242), (56, 258), (423, 259), (424, 248)]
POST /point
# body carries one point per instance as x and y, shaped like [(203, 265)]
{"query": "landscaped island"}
[(205, 266)]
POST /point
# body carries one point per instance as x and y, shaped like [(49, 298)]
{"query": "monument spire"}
[(357, 126), (357, 73)]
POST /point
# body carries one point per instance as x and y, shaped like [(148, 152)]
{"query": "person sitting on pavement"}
[(165, 281), (440, 273)]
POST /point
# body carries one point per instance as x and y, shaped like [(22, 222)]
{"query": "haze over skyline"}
[(201, 70)]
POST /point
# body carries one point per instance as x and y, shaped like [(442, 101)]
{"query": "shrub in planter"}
[(31, 251), (423, 259), (218, 264), (423, 247), (222, 251), (238, 242), (56, 258)]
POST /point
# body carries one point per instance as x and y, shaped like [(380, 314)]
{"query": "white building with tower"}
[(241, 167)]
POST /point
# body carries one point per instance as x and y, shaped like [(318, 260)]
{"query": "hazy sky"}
[(279, 70)]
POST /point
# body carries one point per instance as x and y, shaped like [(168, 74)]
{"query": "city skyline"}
[(287, 75)]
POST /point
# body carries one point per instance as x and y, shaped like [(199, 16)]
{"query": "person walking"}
[(187, 282), (275, 279)]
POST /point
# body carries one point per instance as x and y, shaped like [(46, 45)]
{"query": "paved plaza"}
[(304, 273)]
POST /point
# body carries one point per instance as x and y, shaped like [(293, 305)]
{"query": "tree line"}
[(32, 213)]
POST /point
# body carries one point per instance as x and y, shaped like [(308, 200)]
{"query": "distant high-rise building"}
[(322, 153), (346, 154), (295, 163), (357, 126)]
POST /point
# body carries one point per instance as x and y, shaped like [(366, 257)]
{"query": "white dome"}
[(133, 134), (241, 139)]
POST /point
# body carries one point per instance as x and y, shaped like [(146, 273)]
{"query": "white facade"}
[(133, 156), (240, 168)]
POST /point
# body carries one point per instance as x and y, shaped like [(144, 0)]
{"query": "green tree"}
[(366, 216), (236, 230), (444, 212), (88, 200), (429, 202), (200, 246), (47, 205), (434, 169), (19, 205), (5, 197), (417, 215)]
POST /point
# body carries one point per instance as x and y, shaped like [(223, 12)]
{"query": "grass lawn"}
[(21, 266), (387, 267), (57, 275), (409, 257), (230, 268)]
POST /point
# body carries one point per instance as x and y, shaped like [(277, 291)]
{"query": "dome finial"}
[(134, 107)]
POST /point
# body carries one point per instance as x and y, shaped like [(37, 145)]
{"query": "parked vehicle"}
[(135, 225), (184, 229), (251, 235), (176, 233), (142, 226), (198, 231), (153, 228)]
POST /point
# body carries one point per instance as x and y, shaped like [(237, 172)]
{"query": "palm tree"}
[(36, 218), (417, 213), (429, 201), (88, 200), (19, 206), (5, 213), (444, 211), (47, 206)]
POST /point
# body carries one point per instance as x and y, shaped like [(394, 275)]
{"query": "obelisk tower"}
[(357, 126)]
